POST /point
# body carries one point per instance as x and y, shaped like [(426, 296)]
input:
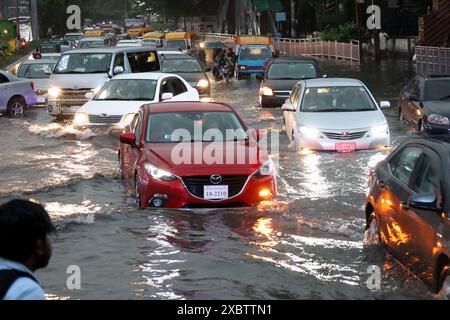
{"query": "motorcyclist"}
[(230, 61), (219, 64)]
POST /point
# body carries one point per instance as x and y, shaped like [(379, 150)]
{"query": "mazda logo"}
[(216, 179)]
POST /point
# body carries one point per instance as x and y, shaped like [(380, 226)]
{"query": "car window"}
[(138, 129), (403, 164), (412, 87), (119, 60), (3, 79), (428, 181), (146, 61), (166, 87), (178, 87)]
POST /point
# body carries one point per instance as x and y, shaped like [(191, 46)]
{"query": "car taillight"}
[(242, 67), (32, 85)]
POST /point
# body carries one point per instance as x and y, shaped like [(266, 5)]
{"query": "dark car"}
[(190, 69), (407, 208), (425, 101), (281, 76)]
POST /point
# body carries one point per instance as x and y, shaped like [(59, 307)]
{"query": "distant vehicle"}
[(335, 115), (138, 32), (83, 70), (129, 43), (407, 209), (281, 76), (48, 56), (179, 41), (147, 162), (153, 39), (189, 69), (254, 54), (425, 101), (119, 99), (94, 42), (39, 72), (16, 95), (72, 38)]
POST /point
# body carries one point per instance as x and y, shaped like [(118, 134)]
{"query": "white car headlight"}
[(438, 119), (203, 83), (158, 173), (54, 92), (266, 169), (310, 132), (81, 118), (379, 130), (126, 119), (266, 91)]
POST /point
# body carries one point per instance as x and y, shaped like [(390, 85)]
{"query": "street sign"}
[(280, 16)]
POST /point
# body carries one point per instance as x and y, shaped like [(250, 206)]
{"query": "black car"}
[(281, 76), (408, 206), (190, 69), (425, 101)]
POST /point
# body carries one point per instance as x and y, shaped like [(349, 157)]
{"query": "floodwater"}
[(305, 245)]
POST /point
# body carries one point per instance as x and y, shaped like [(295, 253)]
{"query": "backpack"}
[(8, 277)]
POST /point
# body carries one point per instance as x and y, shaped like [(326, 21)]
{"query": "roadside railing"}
[(433, 60), (313, 47)]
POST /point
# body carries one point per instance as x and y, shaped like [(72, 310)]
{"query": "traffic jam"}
[(281, 162)]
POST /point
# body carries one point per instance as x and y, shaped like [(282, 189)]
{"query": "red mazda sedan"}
[(195, 155)]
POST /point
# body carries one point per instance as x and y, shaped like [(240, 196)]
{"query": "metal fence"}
[(433, 60), (302, 47)]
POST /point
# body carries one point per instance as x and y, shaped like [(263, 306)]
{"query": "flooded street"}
[(305, 245)]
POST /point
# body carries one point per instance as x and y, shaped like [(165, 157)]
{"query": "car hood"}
[(78, 81), (160, 155), (192, 78), (342, 120), (437, 107), (112, 107), (281, 85)]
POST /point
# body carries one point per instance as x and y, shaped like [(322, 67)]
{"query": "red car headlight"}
[(159, 173), (267, 169)]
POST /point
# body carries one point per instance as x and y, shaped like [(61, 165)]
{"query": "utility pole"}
[(293, 19), (17, 25), (34, 19)]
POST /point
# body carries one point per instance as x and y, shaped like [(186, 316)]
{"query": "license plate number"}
[(216, 192), (345, 147)]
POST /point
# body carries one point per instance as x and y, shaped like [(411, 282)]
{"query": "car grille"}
[(71, 97), (99, 119), (283, 94), (235, 184), (345, 135)]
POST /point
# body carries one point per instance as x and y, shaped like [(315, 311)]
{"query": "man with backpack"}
[(24, 247)]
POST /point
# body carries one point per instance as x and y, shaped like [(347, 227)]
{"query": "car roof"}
[(144, 76), (109, 50), (333, 82), (39, 61), (177, 56), (435, 77), (187, 107), (92, 39)]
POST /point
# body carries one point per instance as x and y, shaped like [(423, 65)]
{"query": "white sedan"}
[(335, 115), (117, 101)]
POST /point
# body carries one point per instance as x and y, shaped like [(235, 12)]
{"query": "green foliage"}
[(342, 33)]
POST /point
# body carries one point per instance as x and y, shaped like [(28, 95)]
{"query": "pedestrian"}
[(230, 59), (24, 248), (37, 54)]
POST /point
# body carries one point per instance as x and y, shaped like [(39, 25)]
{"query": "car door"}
[(416, 106), (405, 98), (395, 191), (421, 225), (5, 93), (180, 90), (289, 116), (127, 149)]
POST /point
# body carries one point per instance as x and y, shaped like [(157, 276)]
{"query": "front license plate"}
[(215, 192), (345, 147), (41, 100)]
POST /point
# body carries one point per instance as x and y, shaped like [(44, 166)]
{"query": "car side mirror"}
[(128, 138), (288, 107), (89, 95), (385, 104), (166, 96), (424, 202), (325, 76), (413, 97), (118, 70)]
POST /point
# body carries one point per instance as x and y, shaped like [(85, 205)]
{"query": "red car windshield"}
[(194, 127)]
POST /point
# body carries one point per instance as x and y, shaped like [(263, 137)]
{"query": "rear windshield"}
[(144, 61), (292, 70), (73, 63), (176, 44), (35, 71), (255, 54)]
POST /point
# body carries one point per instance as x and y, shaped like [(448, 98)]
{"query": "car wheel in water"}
[(16, 107), (372, 234), (137, 192), (444, 287)]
